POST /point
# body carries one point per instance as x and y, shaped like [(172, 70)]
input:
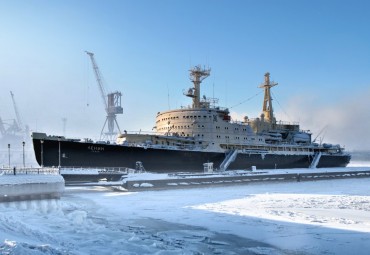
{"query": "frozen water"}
[(317, 217), (80, 227), (359, 164)]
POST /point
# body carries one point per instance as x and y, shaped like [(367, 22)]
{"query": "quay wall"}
[(181, 183), (22, 187)]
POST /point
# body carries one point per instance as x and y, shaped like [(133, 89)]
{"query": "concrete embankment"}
[(30, 187), (193, 181)]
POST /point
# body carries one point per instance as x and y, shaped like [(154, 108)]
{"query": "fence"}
[(96, 169), (28, 170)]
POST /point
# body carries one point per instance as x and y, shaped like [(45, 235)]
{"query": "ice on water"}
[(317, 217)]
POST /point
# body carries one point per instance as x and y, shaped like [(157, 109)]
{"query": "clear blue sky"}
[(318, 52)]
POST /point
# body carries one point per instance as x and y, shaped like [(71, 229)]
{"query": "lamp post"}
[(24, 162), (42, 153), (9, 154), (59, 139)]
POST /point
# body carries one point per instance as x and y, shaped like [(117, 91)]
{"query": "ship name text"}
[(95, 148)]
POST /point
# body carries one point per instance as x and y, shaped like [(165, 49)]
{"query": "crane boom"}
[(2, 128), (98, 79), (19, 120), (112, 103)]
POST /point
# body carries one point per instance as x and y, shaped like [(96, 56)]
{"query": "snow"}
[(156, 176), (22, 186), (80, 171), (145, 176), (359, 164), (147, 185), (30, 178), (308, 217), (144, 185), (332, 211), (316, 217)]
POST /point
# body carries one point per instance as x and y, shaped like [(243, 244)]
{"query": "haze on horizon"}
[(316, 50)]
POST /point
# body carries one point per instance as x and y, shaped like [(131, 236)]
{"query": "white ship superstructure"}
[(206, 127)]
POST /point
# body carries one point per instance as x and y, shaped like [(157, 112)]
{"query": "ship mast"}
[(197, 75), (267, 105)]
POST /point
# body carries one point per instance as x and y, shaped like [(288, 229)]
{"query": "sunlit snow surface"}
[(317, 217)]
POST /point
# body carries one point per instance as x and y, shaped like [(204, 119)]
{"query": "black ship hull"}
[(85, 154)]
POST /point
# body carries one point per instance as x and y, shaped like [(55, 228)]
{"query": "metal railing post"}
[(24, 163), (59, 139), (9, 154), (42, 153)]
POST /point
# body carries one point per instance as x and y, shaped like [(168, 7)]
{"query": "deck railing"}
[(28, 170), (96, 169), (56, 170)]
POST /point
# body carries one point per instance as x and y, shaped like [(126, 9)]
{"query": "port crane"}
[(2, 127), (19, 120), (18, 125), (15, 132), (112, 104)]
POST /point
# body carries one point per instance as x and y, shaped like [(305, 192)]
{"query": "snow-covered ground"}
[(359, 164), (29, 178), (317, 217)]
